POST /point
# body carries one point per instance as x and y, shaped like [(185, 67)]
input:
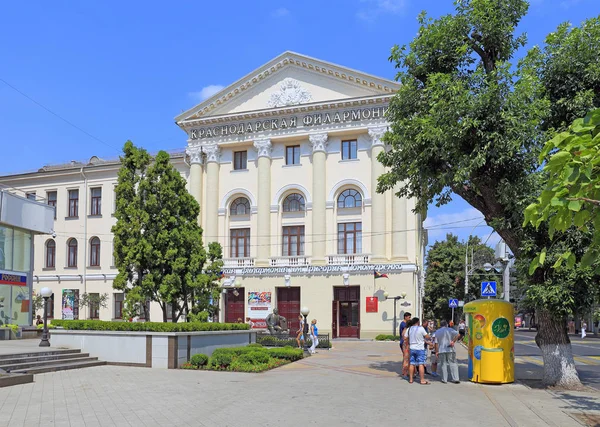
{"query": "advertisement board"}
[(259, 307)]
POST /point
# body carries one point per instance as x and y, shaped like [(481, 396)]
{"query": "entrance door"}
[(347, 312), (234, 305), (288, 304)]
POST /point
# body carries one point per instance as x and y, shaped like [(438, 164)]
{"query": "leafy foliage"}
[(251, 358), (384, 337), (100, 325), (199, 360)]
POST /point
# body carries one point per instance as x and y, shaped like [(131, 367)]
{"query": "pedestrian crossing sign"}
[(488, 289), (453, 303)]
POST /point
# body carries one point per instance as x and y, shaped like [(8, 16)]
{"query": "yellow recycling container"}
[(490, 325)]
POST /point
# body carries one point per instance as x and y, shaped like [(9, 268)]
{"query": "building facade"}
[(283, 163)]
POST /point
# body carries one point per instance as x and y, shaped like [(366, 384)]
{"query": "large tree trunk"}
[(553, 341)]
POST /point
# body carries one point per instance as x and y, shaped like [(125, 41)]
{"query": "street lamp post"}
[(402, 296), (46, 293), (304, 311)]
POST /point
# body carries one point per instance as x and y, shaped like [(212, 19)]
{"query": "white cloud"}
[(280, 13), (205, 93), (374, 8)]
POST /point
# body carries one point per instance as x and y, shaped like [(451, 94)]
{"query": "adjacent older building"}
[(283, 163)]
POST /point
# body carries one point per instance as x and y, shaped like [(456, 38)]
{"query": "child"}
[(249, 322), (314, 336)]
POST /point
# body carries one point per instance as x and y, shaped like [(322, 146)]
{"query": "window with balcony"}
[(72, 253), (51, 197), (292, 155), (96, 207), (119, 299), (349, 199), (94, 252), (240, 160), (50, 254), (240, 206), (94, 306), (294, 203), (349, 150), (240, 242), (73, 203), (293, 241), (350, 238)]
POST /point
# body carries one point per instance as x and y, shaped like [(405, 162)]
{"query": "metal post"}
[(453, 314), (395, 301), (45, 342), (506, 281), (305, 332)]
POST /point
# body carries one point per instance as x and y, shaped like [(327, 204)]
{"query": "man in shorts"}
[(418, 354), (462, 329)]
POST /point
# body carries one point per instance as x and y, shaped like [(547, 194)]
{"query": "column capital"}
[(195, 154), (318, 141), (376, 133), (264, 147), (213, 152)]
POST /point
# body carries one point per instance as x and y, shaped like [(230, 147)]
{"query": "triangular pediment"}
[(288, 80)]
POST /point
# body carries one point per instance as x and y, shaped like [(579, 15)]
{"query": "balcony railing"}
[(238, 262), (349, 259), (290, 261)]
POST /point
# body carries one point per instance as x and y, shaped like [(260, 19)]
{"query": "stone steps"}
[(47, 361), (85, 363)]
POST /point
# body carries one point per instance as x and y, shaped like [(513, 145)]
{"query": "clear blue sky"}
[(124, 69)]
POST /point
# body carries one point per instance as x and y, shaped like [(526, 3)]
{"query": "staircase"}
[(47, 361)]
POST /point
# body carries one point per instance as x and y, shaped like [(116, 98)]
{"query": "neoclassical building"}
[(283, 163)]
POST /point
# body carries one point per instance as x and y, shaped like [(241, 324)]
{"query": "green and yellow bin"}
[(491, 341)]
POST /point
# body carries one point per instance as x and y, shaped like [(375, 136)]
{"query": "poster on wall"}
[(259, 307), (70, 299)]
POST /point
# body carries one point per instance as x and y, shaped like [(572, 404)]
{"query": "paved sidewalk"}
[(355, 384)]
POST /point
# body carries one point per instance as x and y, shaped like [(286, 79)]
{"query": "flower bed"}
[(101, 325), (251, 358)]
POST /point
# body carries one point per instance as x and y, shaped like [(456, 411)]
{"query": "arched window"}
[(294, 203), (95, 252), (72, 253), (50, 254), (240, 206), (349, 199)]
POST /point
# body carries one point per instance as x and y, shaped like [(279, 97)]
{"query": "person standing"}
[(462, 330), (300, 333), (433, 359), (406, 348), (403, 325), (446, 338), (416, 340), (314, 336), (583, 329)]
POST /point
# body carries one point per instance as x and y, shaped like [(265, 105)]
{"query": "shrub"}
[(287, 353), (188, 365), (199, 360), (255, 345), (384, 337), (220, 359), (275, 341), (13, 327), (101, 325), (254, 357)]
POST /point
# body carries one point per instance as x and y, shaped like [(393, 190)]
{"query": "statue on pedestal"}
[(276, 323)]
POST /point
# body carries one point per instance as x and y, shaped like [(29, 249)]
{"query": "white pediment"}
[(290, 79)]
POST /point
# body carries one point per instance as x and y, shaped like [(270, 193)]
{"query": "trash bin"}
[(492, 365)]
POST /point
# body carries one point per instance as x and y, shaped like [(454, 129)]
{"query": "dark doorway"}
[(346, 312), (288, 304), (235, 305)]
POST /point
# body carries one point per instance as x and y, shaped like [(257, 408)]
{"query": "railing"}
[(290, 261), (347, 259), (238, 262)]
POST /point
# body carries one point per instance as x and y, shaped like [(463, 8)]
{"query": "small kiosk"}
[(491, 341)]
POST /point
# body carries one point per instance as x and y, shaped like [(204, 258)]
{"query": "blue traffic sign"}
[(488, 289), (453, 303)]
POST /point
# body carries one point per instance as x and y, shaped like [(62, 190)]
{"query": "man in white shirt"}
[(418, 355), (444, 348)]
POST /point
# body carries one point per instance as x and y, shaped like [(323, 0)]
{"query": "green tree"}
[(466, 121), (445, 274)]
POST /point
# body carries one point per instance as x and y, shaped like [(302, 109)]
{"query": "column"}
[(378, 208), (211, 231), (400, 226), (195, 154), (263, 146), (319, 224)]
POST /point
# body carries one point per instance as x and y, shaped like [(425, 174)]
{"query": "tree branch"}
[(584, 199), (488, 62)]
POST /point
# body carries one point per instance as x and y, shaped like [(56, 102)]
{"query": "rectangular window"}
[(50, 254), (240, 160), (30, 196), (51, 196), (240, 243), (292, 155), (73, 203), (95, 307), (169, 309), (119, 298), (293, 241), (72, 253), (350, 238), (96, 201), (349, 149)]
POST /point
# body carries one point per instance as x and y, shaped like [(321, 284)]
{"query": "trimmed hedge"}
[(101, 325), (384, 337), (288, 353), (251, 358), (199, 360)]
